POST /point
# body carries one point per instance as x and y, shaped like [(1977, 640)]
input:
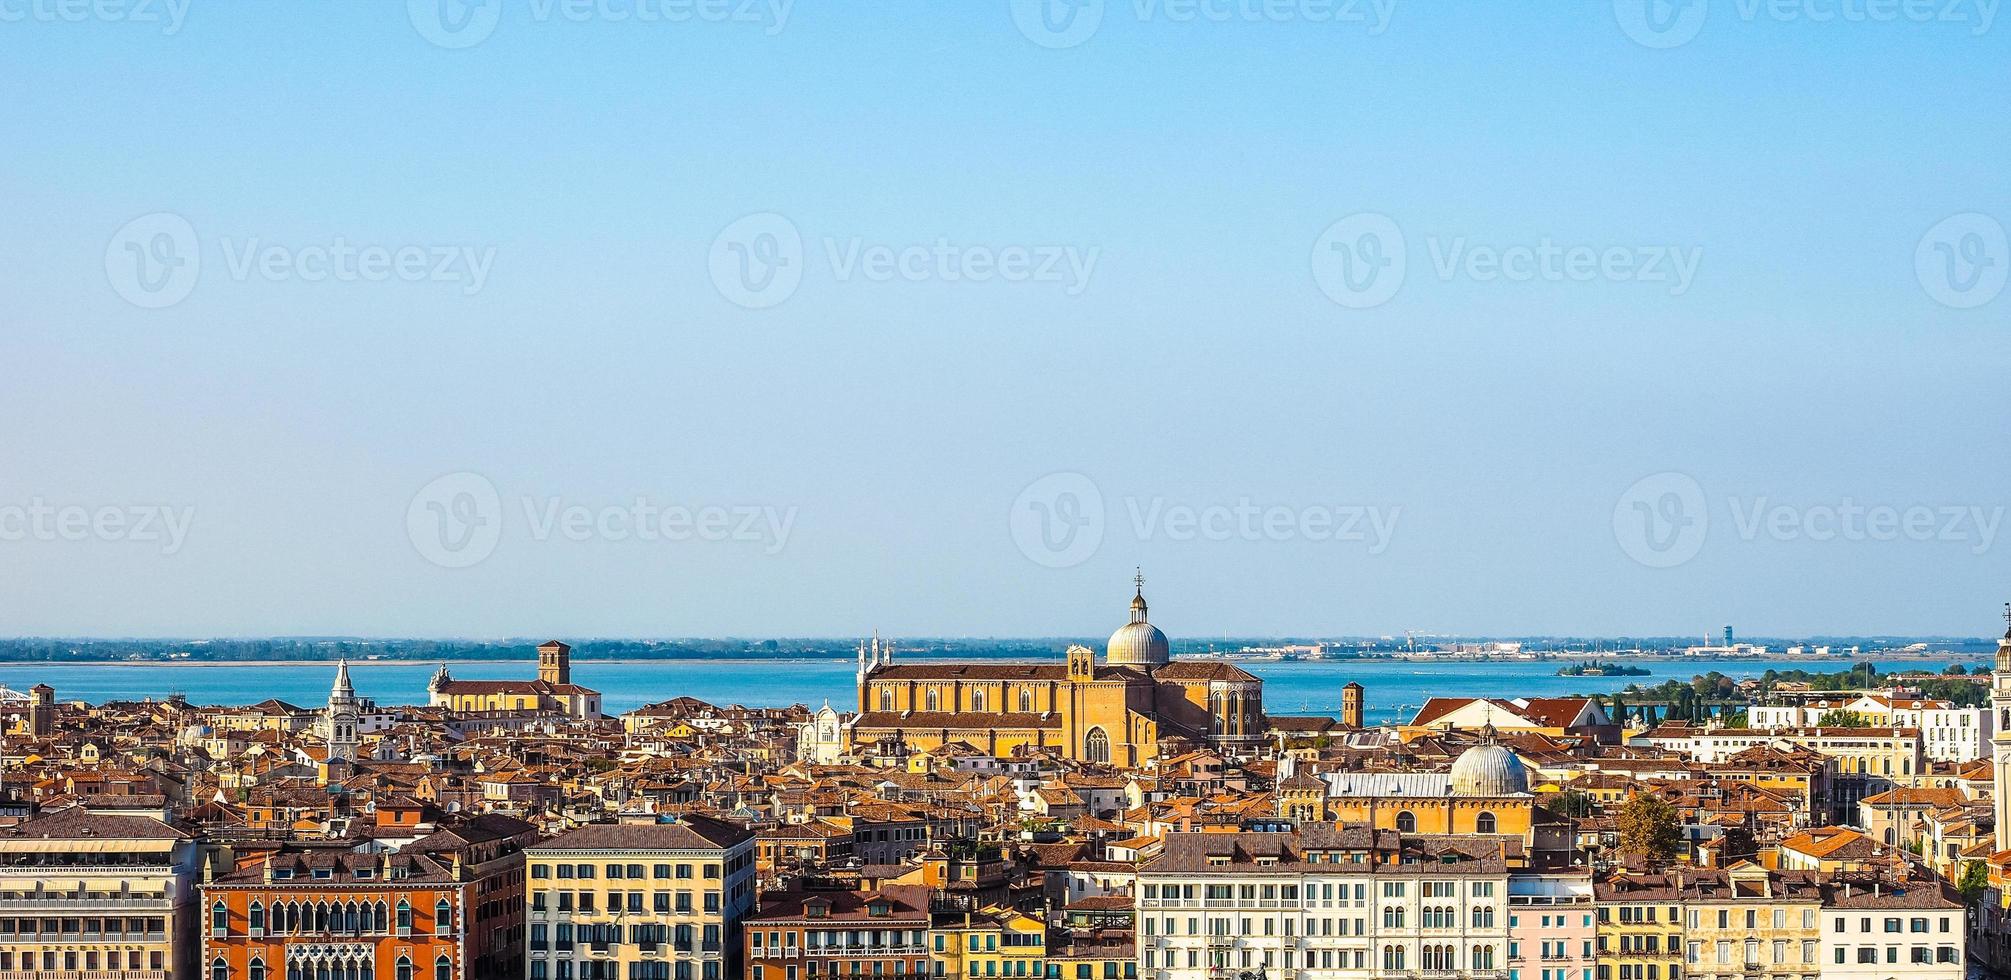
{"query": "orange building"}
[(1116, 709), (446, 907)]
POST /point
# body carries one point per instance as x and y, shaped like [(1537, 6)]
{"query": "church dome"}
[(1489, 770), (1138, 642)]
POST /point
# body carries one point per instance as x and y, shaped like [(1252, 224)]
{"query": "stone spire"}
[(343, 690)]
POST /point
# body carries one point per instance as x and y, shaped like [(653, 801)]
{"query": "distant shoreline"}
[(452, 663)]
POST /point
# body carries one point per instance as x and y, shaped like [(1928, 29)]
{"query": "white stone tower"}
[(2000, 743), (338, 725)]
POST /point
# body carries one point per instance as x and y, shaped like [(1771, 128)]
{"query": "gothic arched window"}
[(1407, 822), (1096, 746)]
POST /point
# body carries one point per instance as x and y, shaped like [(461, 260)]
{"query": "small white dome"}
[(1489, 770), (1138, 642)]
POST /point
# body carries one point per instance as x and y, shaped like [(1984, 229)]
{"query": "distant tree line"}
[(329, 649)]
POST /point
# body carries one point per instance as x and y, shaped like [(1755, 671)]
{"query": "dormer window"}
[(323, 874), (282, 874), (879, 910)]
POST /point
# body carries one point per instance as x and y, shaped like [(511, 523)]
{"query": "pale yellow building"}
[(552, 693), (96, 895), (639, 899), (1745, 922)]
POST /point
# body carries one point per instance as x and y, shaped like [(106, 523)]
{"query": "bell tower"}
[(339, 721), (555, 663), (2000, 742)]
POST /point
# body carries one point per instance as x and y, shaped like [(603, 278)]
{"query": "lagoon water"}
[(1394, 688)]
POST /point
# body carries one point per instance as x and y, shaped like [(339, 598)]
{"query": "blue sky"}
[(860, 448)]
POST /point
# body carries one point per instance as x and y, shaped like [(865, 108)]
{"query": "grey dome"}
[(1489, 770), (1138, 642)]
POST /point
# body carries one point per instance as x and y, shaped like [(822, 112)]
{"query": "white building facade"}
[(1323, 903)]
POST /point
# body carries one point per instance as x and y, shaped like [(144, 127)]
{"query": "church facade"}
[(1124, 707), (553, 693)]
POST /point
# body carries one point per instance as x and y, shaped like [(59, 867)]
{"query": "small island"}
[(1592, 668)]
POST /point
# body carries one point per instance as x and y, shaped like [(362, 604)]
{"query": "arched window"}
[(443, 917), (219, 970), (1483, 824), (255, 970), (1026, 700), (404, 968), (219, 920), (931, 698), (404, 915), (1096, 746), (1407, 822), (443, 969), (293, 971), (977, 699), (1483, 958), (255, 915), (886, 699)]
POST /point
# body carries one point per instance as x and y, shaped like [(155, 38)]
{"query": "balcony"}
[(64, 904)]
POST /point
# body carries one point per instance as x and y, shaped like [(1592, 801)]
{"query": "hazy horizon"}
[(526, 319)]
